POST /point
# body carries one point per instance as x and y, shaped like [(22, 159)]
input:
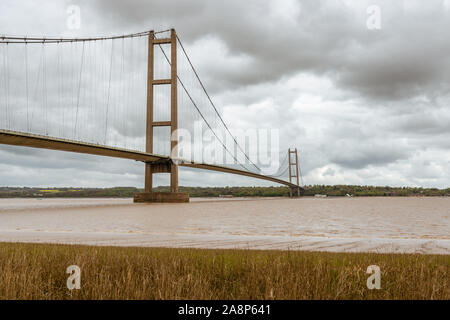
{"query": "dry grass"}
[(37, 271)]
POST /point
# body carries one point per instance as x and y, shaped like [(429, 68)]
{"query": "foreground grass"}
[(38, 271)]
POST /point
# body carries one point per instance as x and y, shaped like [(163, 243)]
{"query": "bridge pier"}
[(161, 197), (148, 196), (295, 192)]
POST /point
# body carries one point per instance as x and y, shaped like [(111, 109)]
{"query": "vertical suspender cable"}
[(26, 85), (44, 87), (5, 79), (300, 171), (6, 63), (78, 94), (109, 89)]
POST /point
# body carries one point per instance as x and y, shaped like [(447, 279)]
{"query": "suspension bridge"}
[(135, 97)]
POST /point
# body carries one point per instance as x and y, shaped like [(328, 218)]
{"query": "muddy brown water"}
[(366, 224)]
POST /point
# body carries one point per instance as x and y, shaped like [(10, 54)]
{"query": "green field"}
[(38, 271)]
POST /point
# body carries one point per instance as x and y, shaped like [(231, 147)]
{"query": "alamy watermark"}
[(374, 281), (73, 21), (260, 147), (373, 21), (74, 280)]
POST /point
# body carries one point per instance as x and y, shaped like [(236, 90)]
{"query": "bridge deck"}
[(45, 142), (236, 171)]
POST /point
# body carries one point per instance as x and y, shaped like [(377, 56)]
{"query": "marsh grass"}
[(38, 271)]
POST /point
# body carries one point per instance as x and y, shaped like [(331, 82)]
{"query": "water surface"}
[(375, 224)]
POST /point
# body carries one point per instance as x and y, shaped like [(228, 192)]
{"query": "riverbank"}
[(38, 271)]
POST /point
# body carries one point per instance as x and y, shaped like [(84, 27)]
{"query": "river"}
[(366, 224)]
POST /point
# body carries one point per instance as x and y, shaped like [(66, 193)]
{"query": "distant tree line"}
[(376, 191), (127, 192)]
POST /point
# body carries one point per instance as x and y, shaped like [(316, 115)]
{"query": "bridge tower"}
[(168, 166), (293, 170)]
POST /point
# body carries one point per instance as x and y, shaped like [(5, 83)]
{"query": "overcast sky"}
[(360, 88)]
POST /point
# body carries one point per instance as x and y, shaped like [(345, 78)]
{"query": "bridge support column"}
[(293, 172), (148, 178), (169, 167), (173, 111)]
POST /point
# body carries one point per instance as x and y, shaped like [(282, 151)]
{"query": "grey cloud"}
[(407, 57), (362, 155), (424, 123)]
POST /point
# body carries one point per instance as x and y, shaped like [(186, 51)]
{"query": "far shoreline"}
[(333, 191)]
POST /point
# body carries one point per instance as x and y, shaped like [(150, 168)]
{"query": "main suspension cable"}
[(15, 39), (212, 103), (201, 114)]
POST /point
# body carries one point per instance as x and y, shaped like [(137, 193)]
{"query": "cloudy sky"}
[(360, 88)]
